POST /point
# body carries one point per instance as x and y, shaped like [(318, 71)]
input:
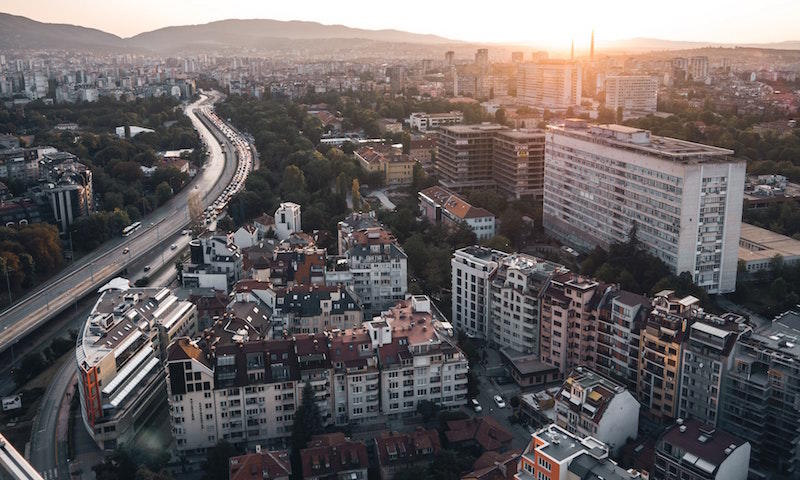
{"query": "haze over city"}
[(545, 24)]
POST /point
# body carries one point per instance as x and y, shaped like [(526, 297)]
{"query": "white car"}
[(499, 401), (475, 405)]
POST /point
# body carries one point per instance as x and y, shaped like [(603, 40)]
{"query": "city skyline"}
[(686, 21)]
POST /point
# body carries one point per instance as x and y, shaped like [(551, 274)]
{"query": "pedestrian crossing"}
[(51, 474)]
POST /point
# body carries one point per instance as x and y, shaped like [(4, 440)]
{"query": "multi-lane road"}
[(86, 274)]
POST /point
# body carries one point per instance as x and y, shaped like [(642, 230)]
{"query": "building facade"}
[(632, 93), (691, 449), (472, 269), (440, 205), (682, 200), (379, 267), (553, 84)]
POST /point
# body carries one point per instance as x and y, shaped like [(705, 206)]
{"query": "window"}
[(544, 464)]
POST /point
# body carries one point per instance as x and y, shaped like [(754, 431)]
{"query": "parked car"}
[(499, 401), (476, 405), (147, 268)]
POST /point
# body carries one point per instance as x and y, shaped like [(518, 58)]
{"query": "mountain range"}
[(17, 32)]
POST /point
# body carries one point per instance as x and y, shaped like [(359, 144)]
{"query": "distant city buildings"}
[(631, 93), (442, 206), (551, 84)]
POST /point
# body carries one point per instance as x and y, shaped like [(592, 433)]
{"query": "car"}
[(125, 250), (499, 401), (147, 268), (173, 247), (476, 405), (186, 232)]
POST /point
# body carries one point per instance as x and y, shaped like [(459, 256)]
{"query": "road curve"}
[(107, 261)]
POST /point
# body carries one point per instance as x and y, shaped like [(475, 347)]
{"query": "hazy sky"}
[(550, 23)]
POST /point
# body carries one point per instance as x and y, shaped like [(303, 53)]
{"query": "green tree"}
[(216, 466), (163, 193), (307, 423), (355, 192)]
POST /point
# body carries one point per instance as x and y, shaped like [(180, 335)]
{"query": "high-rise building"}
[(471, 277), (552, 84), (119, 355), (682, 200), (620, 319), (489, 156), (632, 93), (514, 307), (697, 68), (449, 58), (482, 58)]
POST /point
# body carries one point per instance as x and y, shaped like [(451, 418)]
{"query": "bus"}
[(127, 231)]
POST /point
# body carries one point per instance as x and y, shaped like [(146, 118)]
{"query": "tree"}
[(163, 193), (307, 423), (179, 270), (216, 466), (195, 204), (500, 116), (499, 242), (225, 224), (450, 465), (415, 472), (427, 409), (620, 114), (355, 192)]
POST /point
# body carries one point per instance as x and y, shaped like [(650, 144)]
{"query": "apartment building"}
[(621, 318), (707, 355), (396, 451), (440, 205), (683, 200), (518, 166), (489, 155), (692, 449), (556, 454), (660, 353), (287, 220), (514, 304), (214, 262), (244, 389), (419, 358), (697, 68), (119, 355), (552, 84), (379, 268), (430, 121), (274, 465), (759, 394), (472, 269), (569, 321), (632, 93), (591, 405), (313, 308)]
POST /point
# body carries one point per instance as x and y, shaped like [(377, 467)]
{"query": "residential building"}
[(119, 354), (396, 167), (758, 399), (440, 205), (356, 376), (245, 236), (263, 464), (68, 187), (287, 220), (518, 163), (682, 200), (632, 93), (621, 317), (379, 268), (484, 433), (332, 455), (556, 454), (514, 304), (569, 321), (692, 449), (707, 356), (313, 308), (419, 359), (354, 222), (697, 68), (214, 262), (397, 451), (494, 466), (528, 371), (660, 354), (21, 164), (472, 269), (430, 121), (590, 404), (552, 84)]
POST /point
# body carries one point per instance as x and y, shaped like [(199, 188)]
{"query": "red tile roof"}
[(258, 466), (489, 434)]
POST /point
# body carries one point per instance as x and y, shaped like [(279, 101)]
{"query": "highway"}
[(91, 271)]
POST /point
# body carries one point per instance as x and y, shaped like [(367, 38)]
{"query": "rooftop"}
[(756, 243), (699, 444), (560, 445)]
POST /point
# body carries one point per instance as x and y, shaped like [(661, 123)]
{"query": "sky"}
[(530, 22)]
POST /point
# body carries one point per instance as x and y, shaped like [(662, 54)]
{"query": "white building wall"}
[(619, 422)]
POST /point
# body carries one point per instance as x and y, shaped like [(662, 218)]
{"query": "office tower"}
[(682, 200), (552, 84), (514, 308), (632, 93), (472, 272)]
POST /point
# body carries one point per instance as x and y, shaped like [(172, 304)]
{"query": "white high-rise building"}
[(554, 84), (472, 271), (287, 220), (682, 199), (633, 93)]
